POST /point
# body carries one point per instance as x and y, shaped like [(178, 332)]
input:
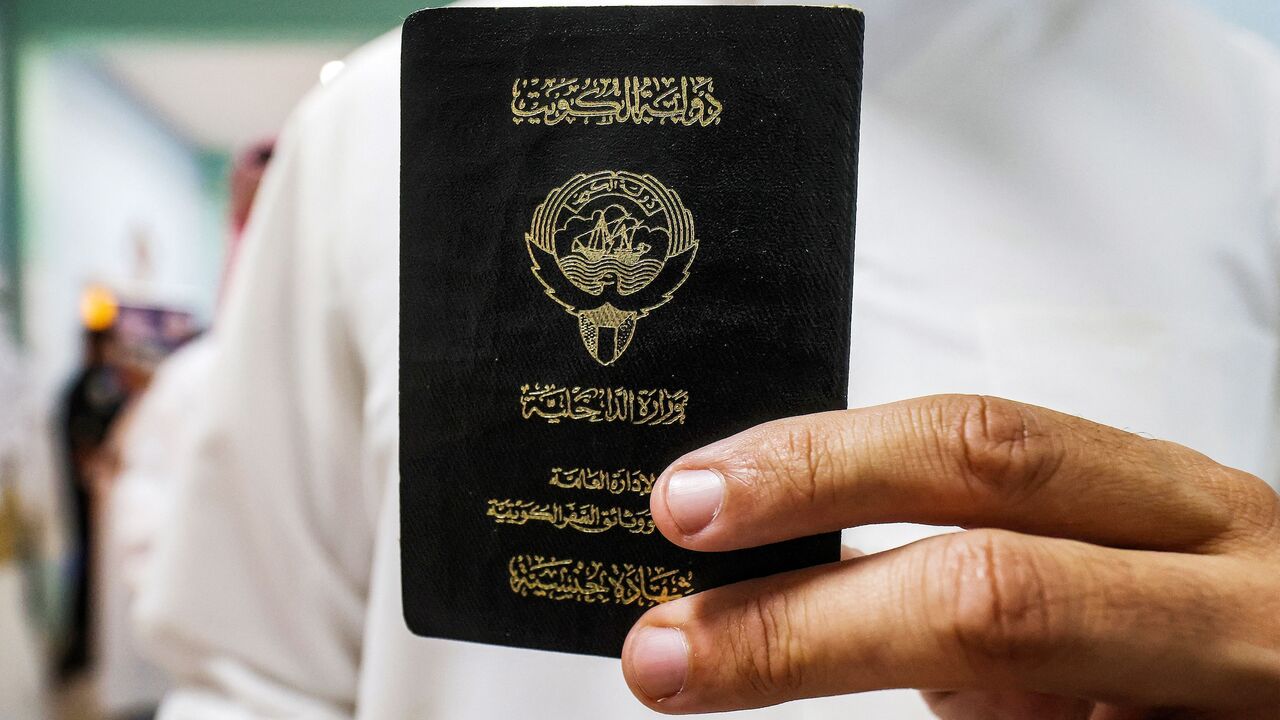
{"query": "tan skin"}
[(1105, 576)]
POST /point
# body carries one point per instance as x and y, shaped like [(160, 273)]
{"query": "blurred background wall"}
[(111, 195), (8, 234), (118, 119)]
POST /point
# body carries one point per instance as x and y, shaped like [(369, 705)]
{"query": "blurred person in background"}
[(149, 438), (1070, 202), (91, 404), (246, 177)]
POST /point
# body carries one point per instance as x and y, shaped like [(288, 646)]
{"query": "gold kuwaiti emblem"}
[(610, 247)]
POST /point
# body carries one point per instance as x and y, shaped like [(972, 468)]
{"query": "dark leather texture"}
[(662, 331)]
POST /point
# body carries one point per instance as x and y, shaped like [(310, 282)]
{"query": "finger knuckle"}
[(994, 599), (768, 656), (1255, 505), (1231, 507), (995, 445), (794, 457), (1222, 507)]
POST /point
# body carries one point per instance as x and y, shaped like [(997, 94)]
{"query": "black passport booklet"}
[(625, 232)]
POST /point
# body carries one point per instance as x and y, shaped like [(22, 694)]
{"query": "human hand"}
[(1107, 575)]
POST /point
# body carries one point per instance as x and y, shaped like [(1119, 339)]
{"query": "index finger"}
[(947, 460)]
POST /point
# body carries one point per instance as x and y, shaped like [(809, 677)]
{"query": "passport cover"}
[(626, 232)]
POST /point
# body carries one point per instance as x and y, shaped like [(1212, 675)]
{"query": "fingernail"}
[(694, 498), (659, 661)]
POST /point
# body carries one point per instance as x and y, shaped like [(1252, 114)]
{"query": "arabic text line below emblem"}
[(610, 247)]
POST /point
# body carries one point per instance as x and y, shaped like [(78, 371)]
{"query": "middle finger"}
[(947, 460)]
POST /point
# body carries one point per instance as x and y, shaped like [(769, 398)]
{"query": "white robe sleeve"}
[(256, 599)]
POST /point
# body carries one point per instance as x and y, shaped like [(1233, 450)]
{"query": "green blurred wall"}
[(265, 19), (10, 290), (29, 25)]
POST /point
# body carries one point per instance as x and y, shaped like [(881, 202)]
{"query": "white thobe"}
[(1067, 202)]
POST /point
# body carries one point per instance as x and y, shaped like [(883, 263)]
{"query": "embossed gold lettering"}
[(596, 582), (685, 100), (615, 482), (582, 517), (554, 403)]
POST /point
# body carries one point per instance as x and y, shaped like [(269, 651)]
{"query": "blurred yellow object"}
[(98, 308), (10, 526)]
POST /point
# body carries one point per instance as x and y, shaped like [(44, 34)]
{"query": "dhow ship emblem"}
[(610, 247)]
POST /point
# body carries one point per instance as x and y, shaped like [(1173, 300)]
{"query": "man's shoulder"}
[(368, 83), (374, 61)]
